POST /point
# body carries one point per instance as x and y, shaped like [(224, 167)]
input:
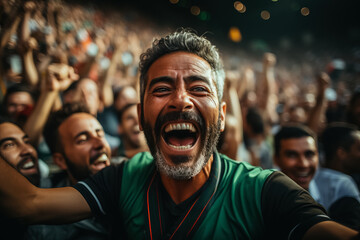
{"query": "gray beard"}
[(180, 172)]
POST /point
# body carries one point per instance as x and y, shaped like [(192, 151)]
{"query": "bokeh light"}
[(239, 6), (195, 10), (174, 1), (204, 16), (265, 15), (305, 11), (235, 34)]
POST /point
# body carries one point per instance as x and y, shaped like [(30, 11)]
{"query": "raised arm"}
[(8, 31), (23, 201), (317, 113), (28, 45), (59, 77), (267, 88), (105, 82)]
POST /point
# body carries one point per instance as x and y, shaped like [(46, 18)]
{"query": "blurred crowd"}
[(56, 55)]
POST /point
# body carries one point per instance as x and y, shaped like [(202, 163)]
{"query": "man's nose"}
[(303, 162), (98, 142), (20, 108), (181, 100), (27, 149)]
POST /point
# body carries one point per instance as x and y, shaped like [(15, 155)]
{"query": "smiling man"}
[(129, 130), (184, 189), (21, 155), (78, 146), (17, 150), (296, 154), (77, 143)]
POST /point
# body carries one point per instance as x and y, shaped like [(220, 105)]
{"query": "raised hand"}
[(60, 76)]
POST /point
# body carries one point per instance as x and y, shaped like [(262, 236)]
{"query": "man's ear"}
[(139, 116), (222, 116), (59, 160)]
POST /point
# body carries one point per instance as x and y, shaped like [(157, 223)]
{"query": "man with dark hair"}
[(78, 147), (341, 144), (16, 149), (133, 139), (18, 102), (296, 154), (21, 155), (69, 134), (184, 189)]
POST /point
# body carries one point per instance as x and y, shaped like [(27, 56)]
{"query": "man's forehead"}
[(170, 64), (19, 96), (79, 122), (298, 143), (10, 130)]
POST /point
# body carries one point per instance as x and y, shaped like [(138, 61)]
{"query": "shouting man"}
[(184, 188)]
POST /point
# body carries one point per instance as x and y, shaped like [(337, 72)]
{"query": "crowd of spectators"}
[(53, 53)]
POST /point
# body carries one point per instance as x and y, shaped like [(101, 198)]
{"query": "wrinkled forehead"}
[(179, 62)]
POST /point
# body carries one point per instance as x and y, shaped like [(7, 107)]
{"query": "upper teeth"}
[(102, 158), (28, 165), (180, 126)]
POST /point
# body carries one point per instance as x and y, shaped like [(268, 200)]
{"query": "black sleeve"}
[(288, 210), (346, 211), (102, 191)]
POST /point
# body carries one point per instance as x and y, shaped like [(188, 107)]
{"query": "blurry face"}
[(182, 116), (18, 102), (86, 92), (129, 128), (298, 159), (298, 115), (128, 95), (18, 152), (84, 146), (352, 158)]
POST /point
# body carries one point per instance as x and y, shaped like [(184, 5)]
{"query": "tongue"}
[(181, 141)]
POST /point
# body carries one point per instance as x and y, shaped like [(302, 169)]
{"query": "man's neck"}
[(180, 190)]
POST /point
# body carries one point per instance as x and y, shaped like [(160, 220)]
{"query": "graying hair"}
[(182, 40)]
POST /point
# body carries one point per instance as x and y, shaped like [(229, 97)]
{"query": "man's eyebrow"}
[(165, 79), (80, 133), (6, 139), (100, 129), (193, 78), (25, 136), (290, 151)]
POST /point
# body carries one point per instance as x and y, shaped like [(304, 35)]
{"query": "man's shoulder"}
[(326, 175), (138, 166), (243, 166), (243, 172)]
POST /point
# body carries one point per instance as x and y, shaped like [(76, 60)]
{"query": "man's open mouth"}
[(100, 159), (27, 165), (180, 135)]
